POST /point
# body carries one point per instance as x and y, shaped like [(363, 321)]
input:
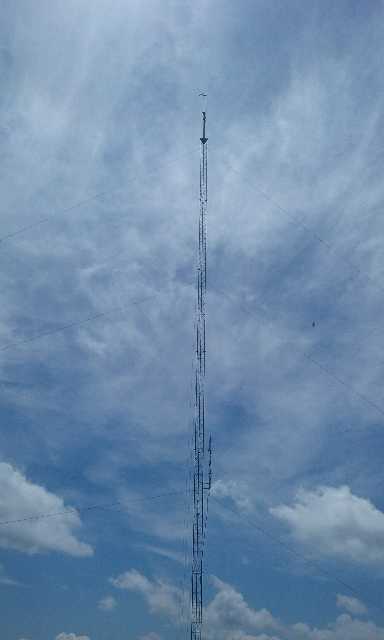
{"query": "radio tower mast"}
[(202, 470)]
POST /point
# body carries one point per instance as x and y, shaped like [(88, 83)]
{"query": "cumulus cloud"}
[(239, 635), (296, 130), (336, 523), (350, 604), (228, 616), (344, 628), (152, 635), (107, 604), (284, 137), (71, 636), (229, 612), (21, 499), (67, 636), (162, 597)]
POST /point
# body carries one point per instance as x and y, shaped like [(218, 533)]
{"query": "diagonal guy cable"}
[(78, 204), (309, 357), (300, 222), (75, 510), (78, 323), (309, 561)]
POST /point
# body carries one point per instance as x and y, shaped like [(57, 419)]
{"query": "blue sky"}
[(99, 127)]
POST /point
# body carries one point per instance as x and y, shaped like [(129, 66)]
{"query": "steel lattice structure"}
[(202, 471)]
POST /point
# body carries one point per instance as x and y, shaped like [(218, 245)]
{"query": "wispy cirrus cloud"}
[(108, 603), (353, 605), (104, 101)]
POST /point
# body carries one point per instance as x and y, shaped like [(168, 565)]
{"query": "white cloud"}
[(6, 580), (176, 556), (350, 604), (344, 628), (228, 616), (71, 636), (238, 635), (21, 499), (107, 604), (228, 612), (302, 120), (165, 524), (296, 131), (336, 523), (237, 491), (152, 635), (161, 596)]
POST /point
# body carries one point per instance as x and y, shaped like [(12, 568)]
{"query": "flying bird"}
[(203, 94)]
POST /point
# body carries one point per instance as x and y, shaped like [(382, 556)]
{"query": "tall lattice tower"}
[(202, 459)]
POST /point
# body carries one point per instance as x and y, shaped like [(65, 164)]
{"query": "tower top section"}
[(204, 139)]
